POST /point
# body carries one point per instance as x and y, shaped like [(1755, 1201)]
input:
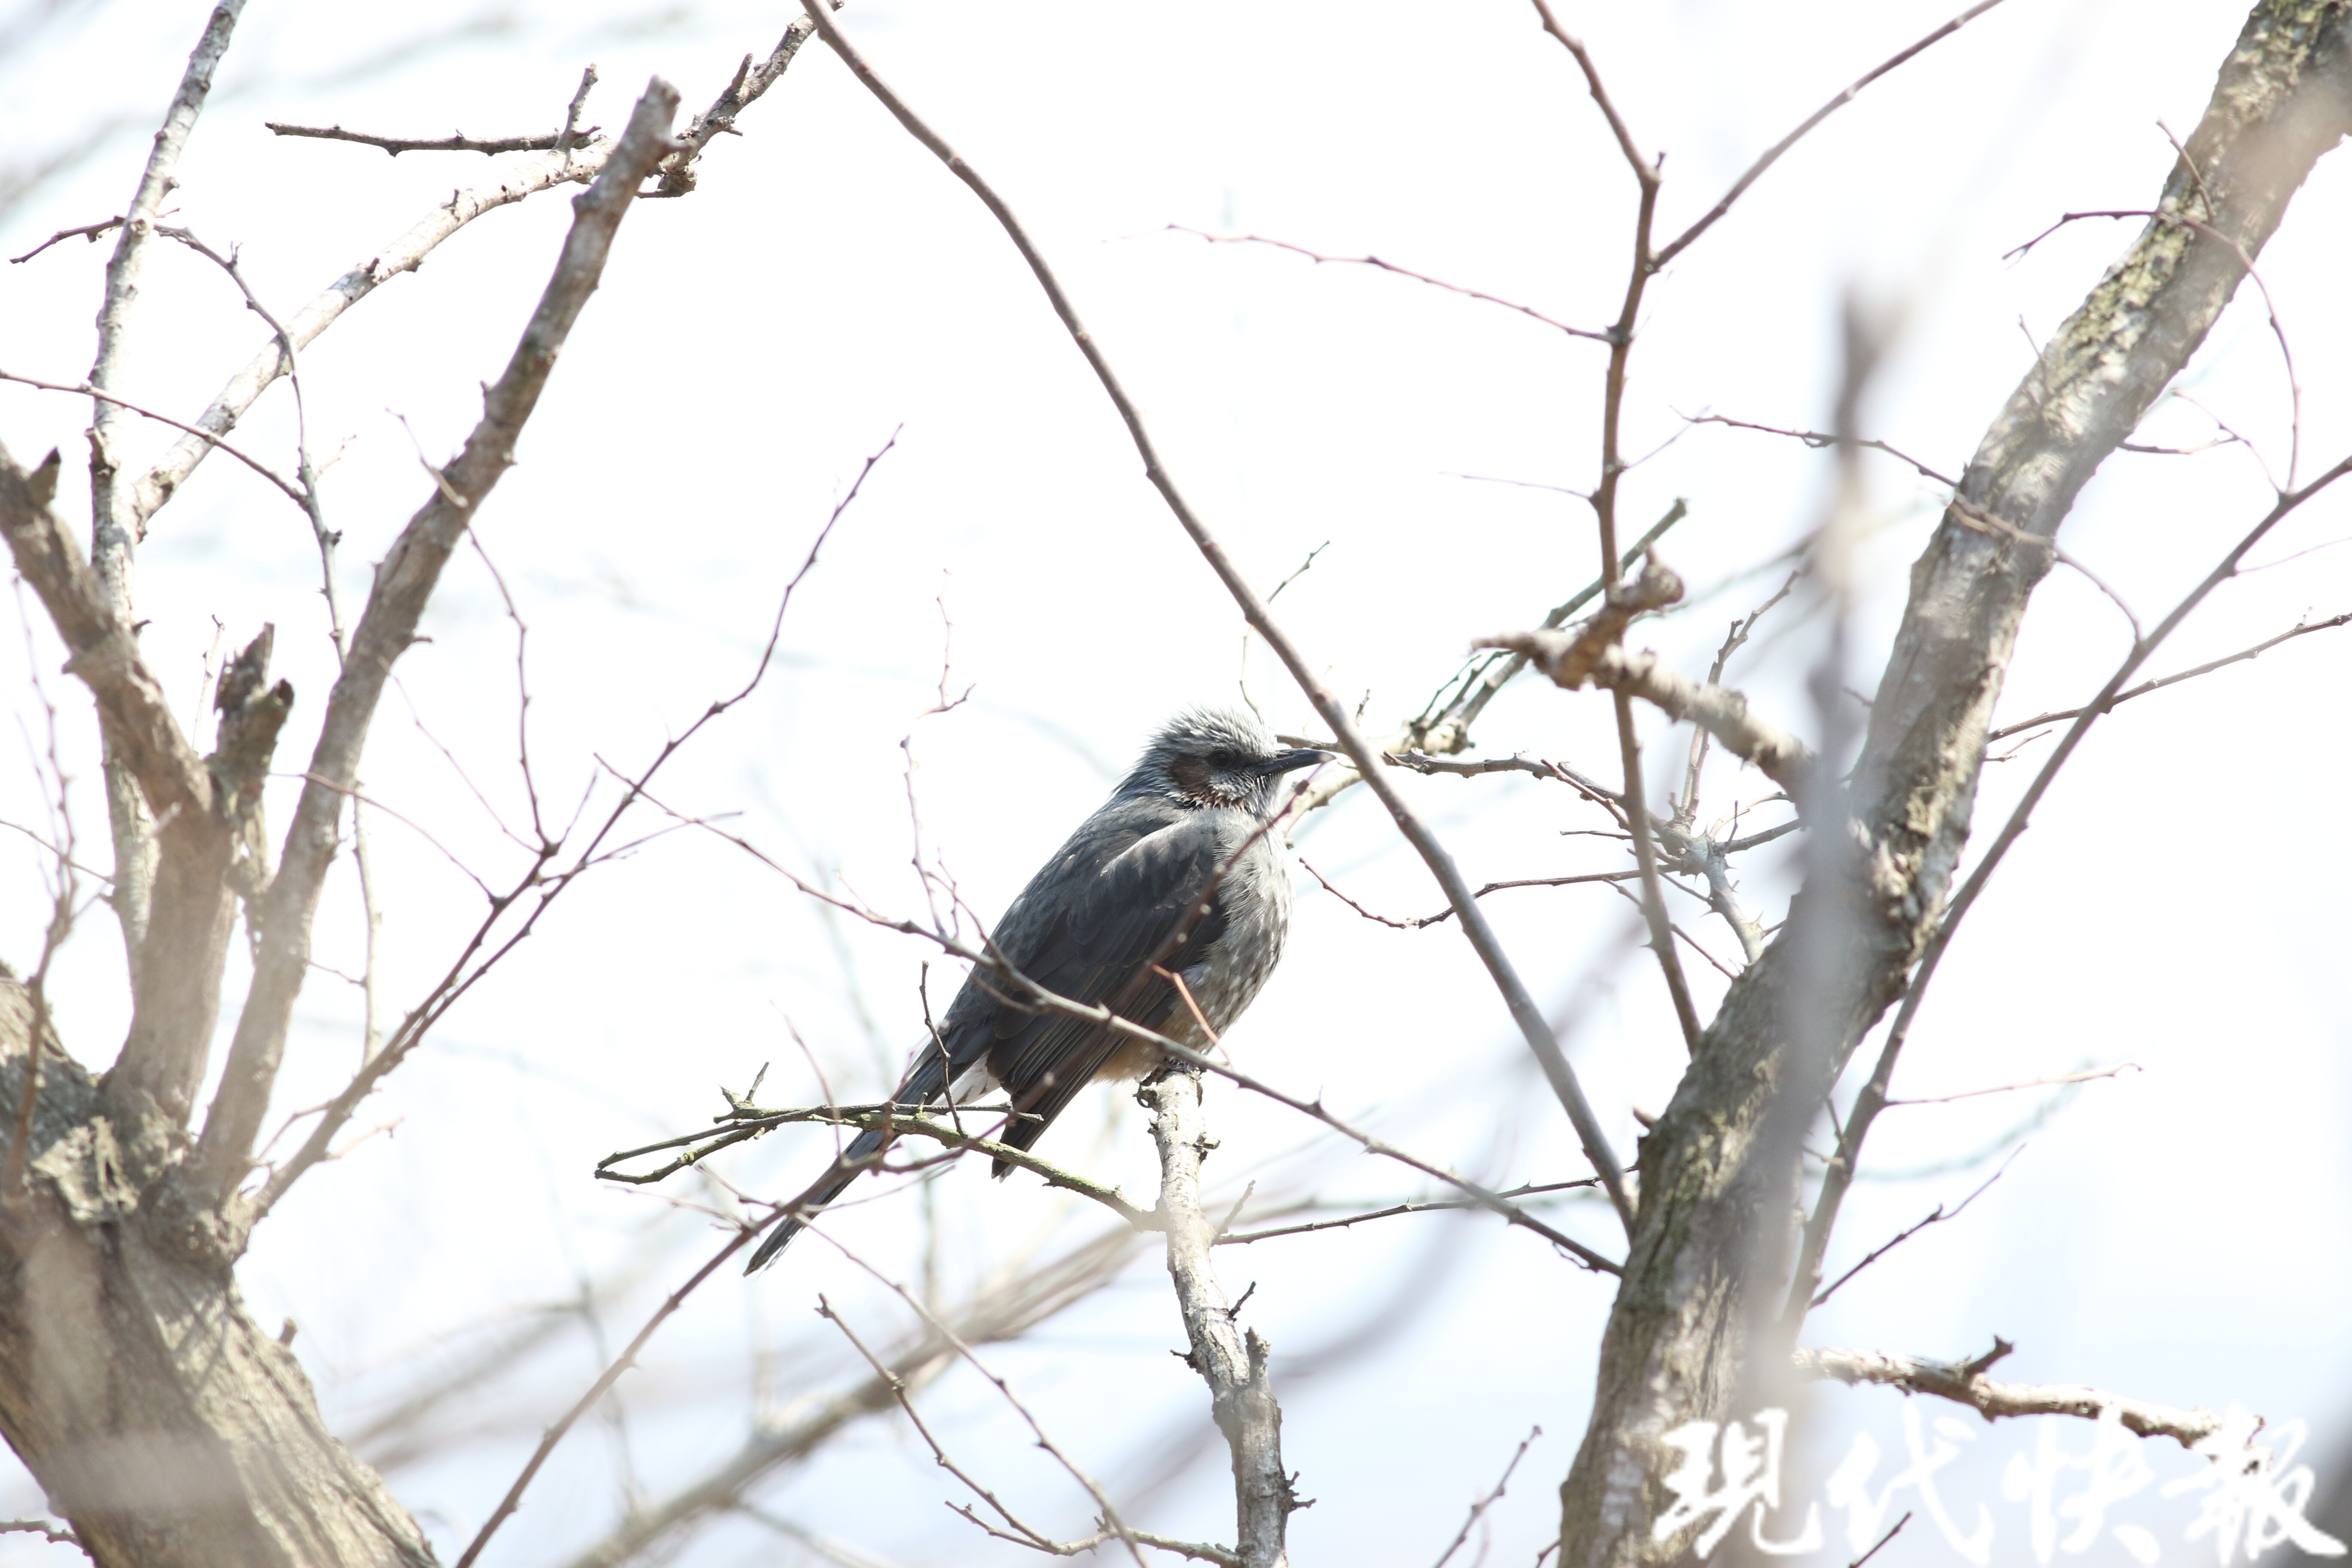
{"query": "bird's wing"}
[(1095, 940)]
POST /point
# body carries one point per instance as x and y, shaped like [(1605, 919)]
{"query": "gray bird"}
[(1123, 895)]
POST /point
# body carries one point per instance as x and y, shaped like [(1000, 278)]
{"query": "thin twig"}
[(1447, 913), (1110, 1514), (1779, 756), (1483, 1504), (571, 135), (596, 1391), (84, 389), (1892, 1531), (1374, 261), (89, 231), (1250, 632), (455, 141), (1447, 729), (1772, 154), (1937, 1217), (748, 1121), (471, 964), (679, 172), (1686, 806), (1432, 1206), (1026, 1535), (1818, 440), (2301, 629), (2090, 1077)]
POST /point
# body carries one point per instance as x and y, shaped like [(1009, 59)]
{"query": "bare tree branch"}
[(749, 1122), (1772, 154), (104, 654), (404, 582), (85, 389), (1108, 1514), (1936, 1217), (1479, 1508), (89, 231), (670, 1304), (2301, 629), (1431, 1205), (1447, 913), (1374, 261), (405, 254), (1818, 439), (1447, 729), (1234, 1364), (456, 142), (1964, 1383), (115, 528), (998, 1311), (678, 169), (1721, 711), (472, 962)]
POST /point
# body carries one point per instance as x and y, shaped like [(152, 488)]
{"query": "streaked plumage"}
[(1092, 920)]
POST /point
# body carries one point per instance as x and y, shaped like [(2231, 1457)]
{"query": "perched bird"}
[(1189, 825)]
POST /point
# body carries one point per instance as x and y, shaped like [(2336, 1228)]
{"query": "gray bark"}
[(155, 1413), (1231, 1361), (1691, 1324)]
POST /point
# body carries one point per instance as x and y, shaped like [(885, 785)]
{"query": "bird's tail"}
[(861, 1156), (927, 1082)]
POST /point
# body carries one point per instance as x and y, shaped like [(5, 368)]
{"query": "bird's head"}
[(1216, 756)]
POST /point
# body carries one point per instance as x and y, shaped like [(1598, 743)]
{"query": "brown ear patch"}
[(1191, 776)]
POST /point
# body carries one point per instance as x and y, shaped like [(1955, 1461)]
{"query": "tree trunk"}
[(1692, 1326), (159, 1417)]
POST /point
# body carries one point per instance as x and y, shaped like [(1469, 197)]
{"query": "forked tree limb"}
[(102, 651)]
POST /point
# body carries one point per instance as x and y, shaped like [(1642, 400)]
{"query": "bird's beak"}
[(1285, 761)]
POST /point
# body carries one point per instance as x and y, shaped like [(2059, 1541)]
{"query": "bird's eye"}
[(1221, 759)]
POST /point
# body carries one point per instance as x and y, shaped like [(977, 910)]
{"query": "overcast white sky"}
[(2176, 1233)]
